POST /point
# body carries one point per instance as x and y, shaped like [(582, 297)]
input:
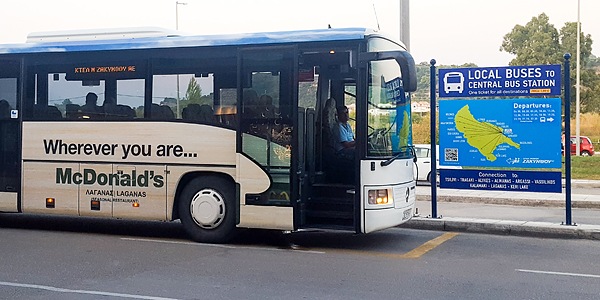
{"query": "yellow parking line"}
[(417, 252)]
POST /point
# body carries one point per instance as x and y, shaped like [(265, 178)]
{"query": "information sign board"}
[(500, 81), (514, 133), (522, 181)]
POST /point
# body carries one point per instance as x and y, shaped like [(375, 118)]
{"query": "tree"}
[(593, 61), (568, 39), (536, 43), (194, 92), (539, 43)]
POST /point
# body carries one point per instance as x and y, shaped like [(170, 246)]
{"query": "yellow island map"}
[(481, 135)]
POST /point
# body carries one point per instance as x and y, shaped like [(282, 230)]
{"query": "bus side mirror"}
[(414, 154), (404, 59)]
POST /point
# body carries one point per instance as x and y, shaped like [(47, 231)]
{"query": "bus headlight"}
[(383, 196)]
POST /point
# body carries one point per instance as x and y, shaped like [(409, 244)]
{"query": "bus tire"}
[(207, 209)]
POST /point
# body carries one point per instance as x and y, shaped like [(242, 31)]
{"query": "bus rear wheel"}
[(207, 211)]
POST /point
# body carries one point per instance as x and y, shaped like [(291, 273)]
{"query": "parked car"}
[(422, 168), (586, 147)]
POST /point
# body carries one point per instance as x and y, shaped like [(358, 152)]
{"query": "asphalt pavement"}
[(512, 213)]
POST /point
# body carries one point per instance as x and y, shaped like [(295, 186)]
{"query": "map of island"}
[(481, 135)]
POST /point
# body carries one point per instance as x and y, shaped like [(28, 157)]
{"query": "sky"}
[(449, 31)]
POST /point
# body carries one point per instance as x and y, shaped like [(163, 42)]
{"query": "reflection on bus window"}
[(192, 98), (389, 111), (91, 100), (8, 96)]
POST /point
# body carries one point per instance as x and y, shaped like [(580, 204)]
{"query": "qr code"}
[(451, 154)]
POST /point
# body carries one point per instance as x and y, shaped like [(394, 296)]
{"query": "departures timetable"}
[(534, 113)]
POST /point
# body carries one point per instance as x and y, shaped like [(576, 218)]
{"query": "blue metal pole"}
[(433, 175), (568, 137)]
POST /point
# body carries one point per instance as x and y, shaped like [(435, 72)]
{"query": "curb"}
[(586, 184), (512, 201), (504, 227)]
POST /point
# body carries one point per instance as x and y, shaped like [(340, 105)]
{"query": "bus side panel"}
[(268, 217), (43, 180), (8, 202), (251, 177), (253, 180), (184, 147)]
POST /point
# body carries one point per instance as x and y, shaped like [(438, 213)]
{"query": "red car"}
[(586, 147)]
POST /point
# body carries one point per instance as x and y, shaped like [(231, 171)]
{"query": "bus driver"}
[(343, 135)]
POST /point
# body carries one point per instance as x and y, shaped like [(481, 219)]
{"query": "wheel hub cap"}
[(207, 209)]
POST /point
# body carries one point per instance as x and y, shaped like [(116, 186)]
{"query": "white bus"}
[(220, 132)]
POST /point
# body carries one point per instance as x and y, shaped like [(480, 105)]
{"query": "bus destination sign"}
[(105, 71), (500, 81), (112, 69)]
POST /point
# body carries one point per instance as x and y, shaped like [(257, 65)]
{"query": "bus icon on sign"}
[(454, 82)]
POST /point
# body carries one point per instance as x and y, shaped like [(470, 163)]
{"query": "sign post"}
[(433, 141), (568, 138)]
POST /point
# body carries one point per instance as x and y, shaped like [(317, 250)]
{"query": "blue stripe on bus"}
[(191, 41)]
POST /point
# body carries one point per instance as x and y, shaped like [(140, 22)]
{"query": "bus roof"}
[(282, 37)]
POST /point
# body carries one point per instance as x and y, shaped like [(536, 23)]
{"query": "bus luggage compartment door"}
[(141, 193), (95, 190)]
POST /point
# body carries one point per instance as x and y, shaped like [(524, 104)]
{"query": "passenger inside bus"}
[(90, 108)]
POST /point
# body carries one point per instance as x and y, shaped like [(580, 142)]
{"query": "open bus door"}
[(328, 181), (267, 134), (10, 141)]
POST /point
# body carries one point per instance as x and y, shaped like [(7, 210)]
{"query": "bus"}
[(221, 132)]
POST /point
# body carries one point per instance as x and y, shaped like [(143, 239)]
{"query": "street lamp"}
[(177, 3), (405, 23), (578, 85)]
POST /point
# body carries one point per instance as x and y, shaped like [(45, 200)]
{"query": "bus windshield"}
[(389, 126)]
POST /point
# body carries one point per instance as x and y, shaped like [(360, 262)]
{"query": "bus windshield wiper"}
[(391, 160)]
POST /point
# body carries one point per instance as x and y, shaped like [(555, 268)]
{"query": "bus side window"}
[(226, 111), (66, 98), (188, 97)]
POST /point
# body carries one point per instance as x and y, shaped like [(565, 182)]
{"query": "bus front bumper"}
[(401, 211)]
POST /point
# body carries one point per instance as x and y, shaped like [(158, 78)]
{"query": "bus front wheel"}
[(207, 211)]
